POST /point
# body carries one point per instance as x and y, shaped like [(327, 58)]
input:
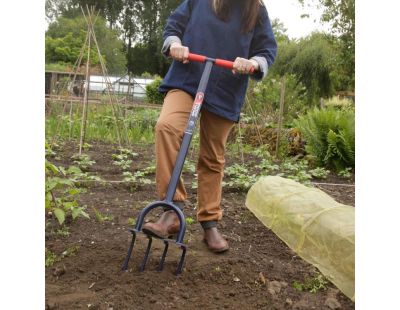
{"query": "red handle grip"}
[(197, 58), (219, 62)]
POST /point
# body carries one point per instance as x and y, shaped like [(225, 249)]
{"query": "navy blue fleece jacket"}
[(195, 25)]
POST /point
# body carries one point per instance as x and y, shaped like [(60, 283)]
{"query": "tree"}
[(340, 15), (65, 38), (312, 60), (108, 9), (279, 30)]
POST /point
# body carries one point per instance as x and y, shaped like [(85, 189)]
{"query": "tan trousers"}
[(214, 132)]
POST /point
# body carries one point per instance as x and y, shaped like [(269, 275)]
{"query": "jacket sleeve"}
[(263, 46), (176, 25)]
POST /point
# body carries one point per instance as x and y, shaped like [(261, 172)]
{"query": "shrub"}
[(329, 136), (264, 98), (152, 93), (339, 103)]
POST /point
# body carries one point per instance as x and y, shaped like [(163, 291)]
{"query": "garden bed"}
[(258, 272)]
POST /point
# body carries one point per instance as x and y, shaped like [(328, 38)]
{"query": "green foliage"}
[(239, 177), (50, 258), (330, 137), (340, 16), (336, 102), (313, 285), (139, 124), (122, 161), (311, 60), (296, 170), (63, 231), (345, 173), (152, 93), (189, 220), (139, 177), (61, 194), (83, 161), (66, 36), (100, 217), (264, 98), (58, 67), (131, 221), (67, 49), (78, 176), (267, 166), (319, 173)]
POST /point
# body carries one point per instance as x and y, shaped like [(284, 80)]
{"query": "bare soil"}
[(257, 272)]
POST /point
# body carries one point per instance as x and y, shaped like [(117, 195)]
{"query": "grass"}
[(101, 218), (134, 125)]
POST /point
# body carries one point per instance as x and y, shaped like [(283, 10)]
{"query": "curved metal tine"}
[(128, 256), (146, 255), (161, 265), (180, 266)]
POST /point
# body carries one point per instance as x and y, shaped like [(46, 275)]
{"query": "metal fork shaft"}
[(128, 256), (146, 255), (161, 265)]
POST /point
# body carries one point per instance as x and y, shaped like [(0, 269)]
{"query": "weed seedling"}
[(313, 285), (71, 251), (101, 218), (51, 258), (63, 231), (189, 221), (131, 221)]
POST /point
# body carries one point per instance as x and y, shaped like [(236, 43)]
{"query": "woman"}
[(236, 30)]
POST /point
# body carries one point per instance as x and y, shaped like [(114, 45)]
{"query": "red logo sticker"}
[(199, 98)]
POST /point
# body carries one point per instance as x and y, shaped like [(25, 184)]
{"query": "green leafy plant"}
[(239, 177), (267, 166), (49, 151), (63, 231), (345, 173), (131, 221), (189, 220), (320, 173), (124, 158), (75, 174), (122, 161), (313, 285), (50, 258), (189, 166), (339, 103), (86, 146), (152, 93), (139, 177), (296, 170), (329, 136), (61, 194), (83, 161), (100, 217)]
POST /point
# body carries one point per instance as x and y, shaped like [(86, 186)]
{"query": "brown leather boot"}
[(166, 226), (214, 240)]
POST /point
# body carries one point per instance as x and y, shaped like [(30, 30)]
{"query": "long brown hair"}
[(222, 9)]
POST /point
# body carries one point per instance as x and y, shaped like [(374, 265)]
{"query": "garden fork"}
[(167, 203)]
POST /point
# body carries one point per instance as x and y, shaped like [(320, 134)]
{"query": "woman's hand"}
[(179, 52), (244, 66)]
